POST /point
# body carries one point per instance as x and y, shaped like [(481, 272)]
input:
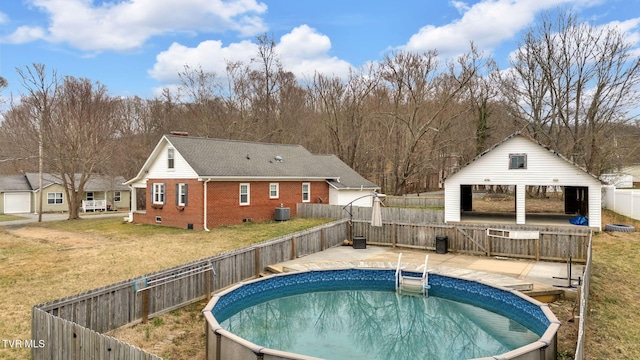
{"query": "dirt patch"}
[(61, 240), (176, 335)]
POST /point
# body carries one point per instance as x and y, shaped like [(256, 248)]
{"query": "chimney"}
[(180, 133)]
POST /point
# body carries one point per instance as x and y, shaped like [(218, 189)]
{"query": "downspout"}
[(205, 205)]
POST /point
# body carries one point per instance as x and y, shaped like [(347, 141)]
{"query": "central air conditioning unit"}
[(282, 214)]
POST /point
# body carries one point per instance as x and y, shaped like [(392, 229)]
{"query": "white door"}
[(19, 202)]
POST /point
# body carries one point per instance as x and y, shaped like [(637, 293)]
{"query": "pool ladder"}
[(412, 284)]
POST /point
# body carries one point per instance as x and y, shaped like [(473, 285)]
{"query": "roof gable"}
[(517, 143), (96, 182), (14, 183)]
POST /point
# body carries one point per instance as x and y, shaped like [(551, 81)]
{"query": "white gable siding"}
[(543, 168), (343, 197), (158, 167)]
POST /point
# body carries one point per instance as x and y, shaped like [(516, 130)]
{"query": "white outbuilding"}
[(520, 161)]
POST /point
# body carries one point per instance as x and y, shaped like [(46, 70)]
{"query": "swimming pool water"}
[(363, 324), (285, 296)]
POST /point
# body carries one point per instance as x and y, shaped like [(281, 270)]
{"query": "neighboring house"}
[(20, 193), (521, 161), (634, 172), (199, 183)]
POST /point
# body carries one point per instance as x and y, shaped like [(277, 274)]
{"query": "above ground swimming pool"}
[(356, 314)]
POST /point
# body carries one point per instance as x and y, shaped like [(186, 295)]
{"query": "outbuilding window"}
[(517, 161)]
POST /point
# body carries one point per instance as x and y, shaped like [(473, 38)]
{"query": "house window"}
[(170, 159), (89, 195), (158, 193), (54, 198), (181, 194), (117, 196), (517, 161), (306, 192), (274, 191), (244, 194)]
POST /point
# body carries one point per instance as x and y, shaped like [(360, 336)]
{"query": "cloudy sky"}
[(136, 47)]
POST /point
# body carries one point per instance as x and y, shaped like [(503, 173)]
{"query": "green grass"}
[(5, 217)]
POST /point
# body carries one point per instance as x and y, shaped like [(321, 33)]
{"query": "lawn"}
[(613, 322), (47, 261)]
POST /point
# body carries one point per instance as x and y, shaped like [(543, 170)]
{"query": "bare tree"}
[(344, 109), (425, 103), (37, 106), (74, 123), (80, 135), (571, 82)]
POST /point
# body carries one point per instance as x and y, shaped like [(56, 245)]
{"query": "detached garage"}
[(520, 161), (15, 195)]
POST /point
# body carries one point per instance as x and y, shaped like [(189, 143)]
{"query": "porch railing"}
[(94, 205)]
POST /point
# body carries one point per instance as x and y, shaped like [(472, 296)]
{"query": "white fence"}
[(623, 201)]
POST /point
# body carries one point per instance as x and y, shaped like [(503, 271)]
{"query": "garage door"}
[(17, 202)]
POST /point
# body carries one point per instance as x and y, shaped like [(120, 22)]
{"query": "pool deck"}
[(544, 281)]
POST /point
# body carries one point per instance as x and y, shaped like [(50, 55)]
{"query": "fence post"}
[(207, 285), (145, 305), (538, 248), (323, 239), (256, 262), (488, 243), (293, 248), (394, 234)]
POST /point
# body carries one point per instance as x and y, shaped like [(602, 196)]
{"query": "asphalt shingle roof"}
[(14, 183), (231, 158)]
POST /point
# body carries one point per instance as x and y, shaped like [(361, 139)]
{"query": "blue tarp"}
[(579, 220)]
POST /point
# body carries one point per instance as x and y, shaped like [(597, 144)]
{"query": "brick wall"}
[(223, 204), (169, 213), (224, 200)]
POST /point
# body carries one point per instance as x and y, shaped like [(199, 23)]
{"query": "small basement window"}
[(158, 219), (517, 161)]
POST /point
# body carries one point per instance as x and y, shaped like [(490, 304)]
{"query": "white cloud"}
[(303, 51), (126, 25), (487, 23), (24, 34), (210, 55)]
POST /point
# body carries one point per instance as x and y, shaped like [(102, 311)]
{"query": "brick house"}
[(199, 183)]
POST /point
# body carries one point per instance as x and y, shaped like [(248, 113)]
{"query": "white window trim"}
[(55, 198), (158, 189), (182, 194), (171, 159), (277, 189), (308, 192), (248, 202)]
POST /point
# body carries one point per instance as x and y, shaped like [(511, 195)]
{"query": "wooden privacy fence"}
[(415, 201), (72, 327), (391, 214), (552, 243)]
